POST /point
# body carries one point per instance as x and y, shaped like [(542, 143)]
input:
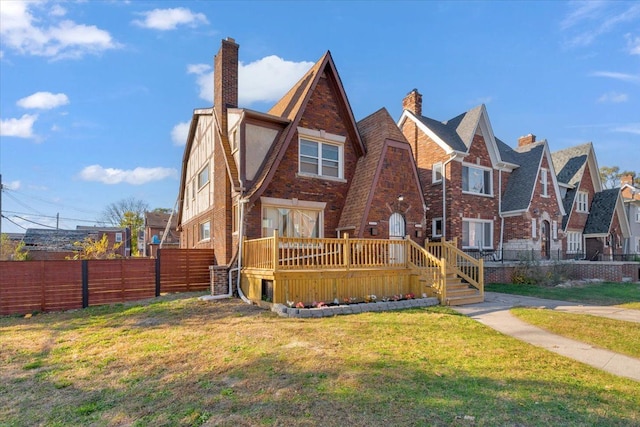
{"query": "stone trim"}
[(302, 313)]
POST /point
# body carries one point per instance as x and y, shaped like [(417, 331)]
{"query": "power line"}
[(53, 203), (33, 222), (53, 217), (13, 222)]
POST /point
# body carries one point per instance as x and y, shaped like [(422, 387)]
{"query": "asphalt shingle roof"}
[(601, 211), (457, 132), (522, 181)]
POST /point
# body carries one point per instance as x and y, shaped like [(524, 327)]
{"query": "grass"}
[(599, 293), (179, 361), (615, 335)]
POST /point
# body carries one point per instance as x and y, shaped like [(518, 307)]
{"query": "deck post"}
[(275, 250), (443, 281), (346, 257), (481, 277)]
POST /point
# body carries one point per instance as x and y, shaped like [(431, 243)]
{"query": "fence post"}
[(158, 272), (85, 283)]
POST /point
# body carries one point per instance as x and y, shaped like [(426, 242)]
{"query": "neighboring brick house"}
[(478, 189), (57, 244), (303, 169), (155, 226), (631, 199), (596, 224)]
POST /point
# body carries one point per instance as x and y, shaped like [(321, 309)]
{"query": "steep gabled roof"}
[(376, 130), (570, 165), (455, 135), (522, 181), (601, 212), (571, 162), (291, 107)]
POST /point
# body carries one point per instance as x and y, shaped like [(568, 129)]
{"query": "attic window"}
[(582, 202), (545, 183)]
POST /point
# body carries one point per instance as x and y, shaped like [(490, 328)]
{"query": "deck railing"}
[(465, 266), (294, 253)]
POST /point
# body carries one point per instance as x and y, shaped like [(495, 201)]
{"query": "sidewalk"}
[(494, 312)]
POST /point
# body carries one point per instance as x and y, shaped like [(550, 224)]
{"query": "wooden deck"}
[(290, 270)]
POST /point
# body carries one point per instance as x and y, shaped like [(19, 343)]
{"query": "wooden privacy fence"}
[(27, 286)]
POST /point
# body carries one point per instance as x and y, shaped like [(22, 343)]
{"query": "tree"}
[(610, 176), (12, 250), (96, 249), (127, 213)]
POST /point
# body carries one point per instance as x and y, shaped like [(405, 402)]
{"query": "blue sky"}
[(96, 96)]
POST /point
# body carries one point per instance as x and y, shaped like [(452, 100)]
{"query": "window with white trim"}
[(554, 230), (477, 234), (637, 214), (203, 177), (477, 180), (205, 230), (544, 180), (436, 227), (320, 158), (574, 242), (582, 201), (292, 218), (638, 245), (118, 237), (436, 173)]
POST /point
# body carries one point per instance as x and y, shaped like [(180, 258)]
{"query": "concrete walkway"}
[(494, 312)]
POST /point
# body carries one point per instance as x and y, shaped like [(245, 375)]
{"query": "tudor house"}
[(596, 225), (304, 168), (478, 189)]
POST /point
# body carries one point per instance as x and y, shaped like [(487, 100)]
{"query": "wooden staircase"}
[(460, 293)]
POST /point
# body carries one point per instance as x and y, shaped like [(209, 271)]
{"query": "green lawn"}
[(615, 335), (603, 293), (180, 361)]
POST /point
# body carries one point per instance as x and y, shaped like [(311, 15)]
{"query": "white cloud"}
[(20, 128), (613, 97), (169, 19), (633, 43), (32, 28), (265, 80), (633, 128), (179, 133), (13, 185), (589, 20), (137, 176), (631, 78), (43, 100)]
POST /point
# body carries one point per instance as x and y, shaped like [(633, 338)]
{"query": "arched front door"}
[(397, 231), (546, 240)]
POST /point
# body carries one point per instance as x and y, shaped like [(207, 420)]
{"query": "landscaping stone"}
[(316, 312)]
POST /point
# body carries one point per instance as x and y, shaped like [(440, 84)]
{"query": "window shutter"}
[(534, 230)]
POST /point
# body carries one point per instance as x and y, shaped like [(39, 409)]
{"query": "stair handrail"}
[(423, 260), (464, 265)]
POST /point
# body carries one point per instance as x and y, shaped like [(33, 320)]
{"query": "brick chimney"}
[(413, 102), (225, 79), (626, 179), (526, 140)]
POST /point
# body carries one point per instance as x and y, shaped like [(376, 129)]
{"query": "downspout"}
[(444, 198), (500, 213), (241, 203)]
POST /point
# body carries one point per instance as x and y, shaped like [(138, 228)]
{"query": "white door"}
[(396, 232)]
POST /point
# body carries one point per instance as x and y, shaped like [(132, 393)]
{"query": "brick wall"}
[(607, 271), (321, 113), (396, 178)]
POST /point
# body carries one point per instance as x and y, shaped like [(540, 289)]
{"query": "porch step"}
[(459, 293), (465, 300)]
